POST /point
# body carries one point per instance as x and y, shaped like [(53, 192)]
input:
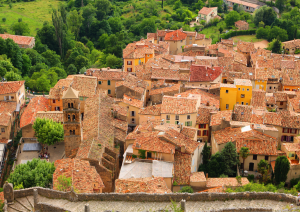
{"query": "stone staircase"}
[(23, 204)]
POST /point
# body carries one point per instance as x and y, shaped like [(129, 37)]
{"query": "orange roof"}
[(155, 185), (241, 23), (35, 105), (245, 46), (10, 87), (206, 10), (151, 110), (85, 85), (179, 105), (258, 147), (216, 182), (6, 111), (84, 177), (107, 74), (217, 118), (182, 168), (132, 101), (175, 35), (291, 147), (21, 40), (56, 116), (197, 177)]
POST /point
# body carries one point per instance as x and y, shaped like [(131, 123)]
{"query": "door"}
[(148, 154), (251, 166)]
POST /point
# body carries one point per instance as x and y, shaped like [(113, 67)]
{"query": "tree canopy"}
[(282, 167)]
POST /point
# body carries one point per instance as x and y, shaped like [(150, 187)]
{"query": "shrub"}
[(186, 189), (294, 181), (233, 33), (250, 177), (20, 20), (3, 19)]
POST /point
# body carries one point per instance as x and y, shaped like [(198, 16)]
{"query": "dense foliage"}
[(34, 173), (282, 167), (48, 131)]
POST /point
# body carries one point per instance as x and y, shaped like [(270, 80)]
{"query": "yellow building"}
[(260, 84), (228, 93), (244, 91)]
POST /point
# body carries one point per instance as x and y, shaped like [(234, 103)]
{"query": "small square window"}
[(243, 89), (108, 82), (247, 103), (168, 117), (247, 89), (176, 117), (242, 95), (239, 89), (266, 158), (108, 91), (2, 130), (227, 91), (242, 103), (254, 157), (176, 122), (227, 106), (188, 117), (99, 82)]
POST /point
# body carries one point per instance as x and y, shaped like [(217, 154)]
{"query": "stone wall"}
[(143, 197), (49, 208)]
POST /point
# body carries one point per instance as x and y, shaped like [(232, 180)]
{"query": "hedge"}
[(236, 33)]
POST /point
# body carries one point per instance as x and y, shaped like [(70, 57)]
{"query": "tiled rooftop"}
[(6, 112), (244, 46), (189, 132), (258, 146), (241, 23), (18, 39), (84, 177), (176, 35), (155, 185), (179, 105), (56, 116), (206, 10), (291, 147), (111, 74), (243, 82), (85, 85), (258, 99), (35, 105), (242, 113), (151, 110), (10, 87), (197, 177), (133, 83), (182, 168), (200, 73), (165, 90), (232, 181), (133, 101), (217, 118), (203, 116)]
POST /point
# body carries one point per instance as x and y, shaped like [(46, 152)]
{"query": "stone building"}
[(71, 121), (241, 25)]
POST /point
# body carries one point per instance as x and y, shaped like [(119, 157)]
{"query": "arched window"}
[(70, 132), (73, 117), (68, 105), (73, 132), (69, 118), (72, 105)]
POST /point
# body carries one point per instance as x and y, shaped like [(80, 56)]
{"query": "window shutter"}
[(282, 138), (283, 130)]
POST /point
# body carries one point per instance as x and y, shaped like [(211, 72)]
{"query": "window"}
[(132, 121), (243, 89), (237, 103), (270, 87), (188, 123), (285, 130), (72, 106), (53, 101), (205, 132), (239, 89), (108, 91), (281, 103), (201, 126), (73, 117), (176, 122), (227, 106), (227, 91), (129, 62), (140, 62), (108, 82), (247, 103), (71, 132), (82, 116), (247, 89), (57, 108), (3, 130), (242, 103), (132, 113), (129, 69), (69, 118), (242, 95), (254, 157), (99, 82), (69, 105), (176, 117), (266, 158), (191, 37), (188, 116), (199, 132), (167, 117), (168, 122)]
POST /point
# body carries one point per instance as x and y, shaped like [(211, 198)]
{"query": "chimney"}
[(206, 175)]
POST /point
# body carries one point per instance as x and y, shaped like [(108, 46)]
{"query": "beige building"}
[(177, 40), (150, 113), (8, 114), (207, 14), (13, 91), (291, 46)]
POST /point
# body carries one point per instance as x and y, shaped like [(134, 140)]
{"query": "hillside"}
[(34, 13)]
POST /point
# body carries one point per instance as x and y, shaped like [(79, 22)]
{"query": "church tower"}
[(72, 122)]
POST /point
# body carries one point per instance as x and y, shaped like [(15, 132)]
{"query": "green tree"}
[(147, 25), (216, 165), (12, 50), (230, 157), (26, 64), (20, 28), (244, 152), (52, 59), (61, 73), (88, 13), (47, 36), (280, 4), (12, 76), (261, 24), (231, 18), (113, 62), (221, 30), (81, 62), (275, 46), (43, 84), (235, 7), (34, 173), (71, 69), (48, 131), (206, 153), (75, 20), (63, 183), (278, 33), (282, 168), (263, 169)]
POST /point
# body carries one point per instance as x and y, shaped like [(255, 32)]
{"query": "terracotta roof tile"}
[(179, 105), (203, 116), (62, 85), (85, 85), (201, 73), (175, 35), (6, 112), (243, 82), (206, 10), (242, 113), (35, 105), (132, 101), (197, 177), (217, 118), (189, 132), (104, 74), (10, 87), (155, 185), (216, 182), (258, 146), (20, 40), (241, 23), (133, 83), (258, 98), (169, 88), (56, 116), (291, 147), (245, 46), (182, 168), (83, 175), (151, 110)]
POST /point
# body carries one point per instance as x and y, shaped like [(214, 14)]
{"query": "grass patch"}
[(214, 29), (34, 13), (246, 38)]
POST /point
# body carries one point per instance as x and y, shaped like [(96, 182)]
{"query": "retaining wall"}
[(49, 208), (144, 197)]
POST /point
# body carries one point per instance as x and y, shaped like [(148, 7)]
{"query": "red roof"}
[(200, 73), (206, 10), (35, 105), (10, 87), (176, 35), (22, 40)]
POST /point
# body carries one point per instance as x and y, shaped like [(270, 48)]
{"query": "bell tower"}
[(72, 122)]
